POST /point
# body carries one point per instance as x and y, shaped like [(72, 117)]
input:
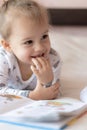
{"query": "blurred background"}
[(64, 3), (67, 12)]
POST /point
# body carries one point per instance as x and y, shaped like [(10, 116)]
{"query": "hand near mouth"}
[(42, 69)]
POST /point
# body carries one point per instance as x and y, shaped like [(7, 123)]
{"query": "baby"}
[(28, 65)]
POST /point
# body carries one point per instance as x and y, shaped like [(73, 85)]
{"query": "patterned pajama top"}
[(11, 81)]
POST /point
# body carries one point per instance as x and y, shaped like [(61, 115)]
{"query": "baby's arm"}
[(38, 93), (4, 89), (47, 76), (9, 91), (4, 77), (43, 93)]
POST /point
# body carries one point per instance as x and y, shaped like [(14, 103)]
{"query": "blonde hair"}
[(13, 9)]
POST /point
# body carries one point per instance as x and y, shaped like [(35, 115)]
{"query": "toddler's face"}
[(29, 40)]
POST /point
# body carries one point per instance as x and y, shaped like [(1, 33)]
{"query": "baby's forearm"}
[(6, 90)]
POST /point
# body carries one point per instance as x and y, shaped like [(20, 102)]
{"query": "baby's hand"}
[(42, 93), (42, 70)]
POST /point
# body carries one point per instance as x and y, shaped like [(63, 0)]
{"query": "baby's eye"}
[(45, 36), (28, 42)]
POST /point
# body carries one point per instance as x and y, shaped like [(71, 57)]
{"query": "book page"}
[(11, 102), (49, 110), (43, 114)]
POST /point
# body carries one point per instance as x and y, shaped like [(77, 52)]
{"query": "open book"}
[(39, 114)]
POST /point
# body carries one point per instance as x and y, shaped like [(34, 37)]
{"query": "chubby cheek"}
[(25, 57)]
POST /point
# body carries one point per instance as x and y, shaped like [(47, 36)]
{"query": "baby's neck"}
[(25, 71), (26, 75)]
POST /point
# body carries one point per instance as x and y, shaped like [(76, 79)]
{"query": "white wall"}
[(64, 3)]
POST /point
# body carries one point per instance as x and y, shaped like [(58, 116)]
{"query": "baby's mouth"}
[(41, 55)]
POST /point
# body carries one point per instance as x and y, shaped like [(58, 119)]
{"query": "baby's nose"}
[(39, 47)]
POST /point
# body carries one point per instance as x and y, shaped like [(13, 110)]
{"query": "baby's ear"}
[(5, 45)]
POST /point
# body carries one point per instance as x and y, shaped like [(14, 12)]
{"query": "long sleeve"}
[(6, 90), (4, 77)]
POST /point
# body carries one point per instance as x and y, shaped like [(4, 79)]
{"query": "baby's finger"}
[(42, 61), (36, 63), (34, 69), (57, 84)]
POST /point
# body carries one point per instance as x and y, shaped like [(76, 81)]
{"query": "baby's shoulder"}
[(54, 57), (2, 51), (6, 57), (53, 52), (3, 55)]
